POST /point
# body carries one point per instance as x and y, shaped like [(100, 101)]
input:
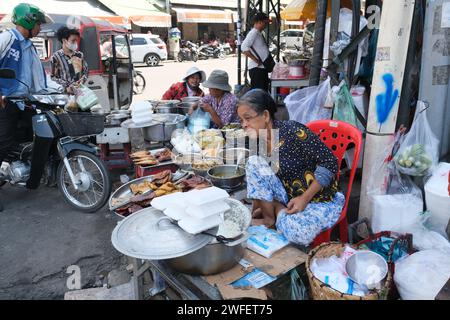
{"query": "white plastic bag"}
[(422, 275), (394, 198), (306, 105), (419, 152), (86, 98), (423, 238), (438, 198)]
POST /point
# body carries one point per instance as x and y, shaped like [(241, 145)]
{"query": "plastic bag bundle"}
[(280, 71), (343, 106), (422, 275), (306, 105), (419, 152), (86, 98), (394, 198)]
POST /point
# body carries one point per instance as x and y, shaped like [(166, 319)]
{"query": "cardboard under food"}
[(279, 264)]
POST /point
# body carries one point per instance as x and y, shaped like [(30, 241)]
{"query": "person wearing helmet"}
[(18, 53)]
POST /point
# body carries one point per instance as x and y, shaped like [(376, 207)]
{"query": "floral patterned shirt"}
[(303, 158), (226, 108)]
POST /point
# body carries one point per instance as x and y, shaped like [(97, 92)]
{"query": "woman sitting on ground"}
[(220, 103), (298, 191)]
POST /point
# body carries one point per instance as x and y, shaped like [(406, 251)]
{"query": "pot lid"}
[(149, 234)]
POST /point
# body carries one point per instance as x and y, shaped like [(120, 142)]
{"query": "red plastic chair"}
[(338, 135)]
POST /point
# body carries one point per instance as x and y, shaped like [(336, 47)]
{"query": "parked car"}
[(291, 38), (146, 48)]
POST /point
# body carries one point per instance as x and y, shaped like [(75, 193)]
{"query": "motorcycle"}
[(207, 51), (60, 153), (138, 82), (188, 52)]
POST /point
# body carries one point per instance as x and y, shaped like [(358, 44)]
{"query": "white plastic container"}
[(176, 212), (207, 210), (437, 199), (142, 112), (207, 195), (194, 225), (163, 202)]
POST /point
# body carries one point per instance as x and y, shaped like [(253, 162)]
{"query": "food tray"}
[(142, 171), (125, 192)]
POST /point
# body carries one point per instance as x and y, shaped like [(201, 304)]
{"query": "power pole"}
[(319, 42), (392, 49)]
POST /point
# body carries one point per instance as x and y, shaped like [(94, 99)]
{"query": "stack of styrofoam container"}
[(196, 210), (142, 112)]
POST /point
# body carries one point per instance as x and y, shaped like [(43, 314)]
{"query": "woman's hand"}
[(297, 204), (207, 107)]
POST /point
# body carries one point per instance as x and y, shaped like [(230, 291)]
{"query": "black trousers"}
[(259, 79), (10, 136)]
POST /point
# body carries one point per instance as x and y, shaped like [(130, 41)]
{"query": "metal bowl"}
[(231, 155), (191, 99), (225, 176), (204, 172), (367, 268), (185, 161), (162, 126), (183, 107)]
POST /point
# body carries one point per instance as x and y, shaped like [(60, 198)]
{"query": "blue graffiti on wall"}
[(386, 101)]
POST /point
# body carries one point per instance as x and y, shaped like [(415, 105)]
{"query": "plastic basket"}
[(82, 124)]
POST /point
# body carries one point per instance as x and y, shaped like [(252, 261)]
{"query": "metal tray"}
[(161, 164), (124, 190)]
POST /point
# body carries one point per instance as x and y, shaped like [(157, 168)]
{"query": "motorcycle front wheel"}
[(138, 83), (180, 57), (94, 182), (194, 57)]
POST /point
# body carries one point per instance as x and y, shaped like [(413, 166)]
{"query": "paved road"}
[(160, 78)]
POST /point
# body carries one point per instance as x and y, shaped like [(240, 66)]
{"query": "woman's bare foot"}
[(257, 213), (257, 222)]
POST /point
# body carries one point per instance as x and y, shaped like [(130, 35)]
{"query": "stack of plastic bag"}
[(422, 275), (331, 271), (394, 198)]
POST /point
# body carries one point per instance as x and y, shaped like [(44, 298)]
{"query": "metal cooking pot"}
[(211, 259), (237, 178), (183, 107), (217, 257), (165, 106), (161, 128)]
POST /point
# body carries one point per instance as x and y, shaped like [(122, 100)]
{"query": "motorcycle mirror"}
[(7, 74)]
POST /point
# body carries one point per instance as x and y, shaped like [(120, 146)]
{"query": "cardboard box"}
[(279, 264)]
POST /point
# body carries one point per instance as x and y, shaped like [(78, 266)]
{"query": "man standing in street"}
[(255, 48)]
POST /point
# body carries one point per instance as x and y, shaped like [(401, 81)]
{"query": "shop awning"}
[(306, 9), (203, 16), (140, 12), (57, 7)]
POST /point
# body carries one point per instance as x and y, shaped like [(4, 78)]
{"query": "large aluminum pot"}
[(162, 127), (217, 257), (165, 106)]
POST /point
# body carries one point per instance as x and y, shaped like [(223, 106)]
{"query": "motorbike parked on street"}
[(209, 50), (188, 52), (60, 152)]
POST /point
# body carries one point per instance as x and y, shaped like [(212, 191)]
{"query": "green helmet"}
[(27, 15)]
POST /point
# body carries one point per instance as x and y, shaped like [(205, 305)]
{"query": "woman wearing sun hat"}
[(189, 87), (220, 104)]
